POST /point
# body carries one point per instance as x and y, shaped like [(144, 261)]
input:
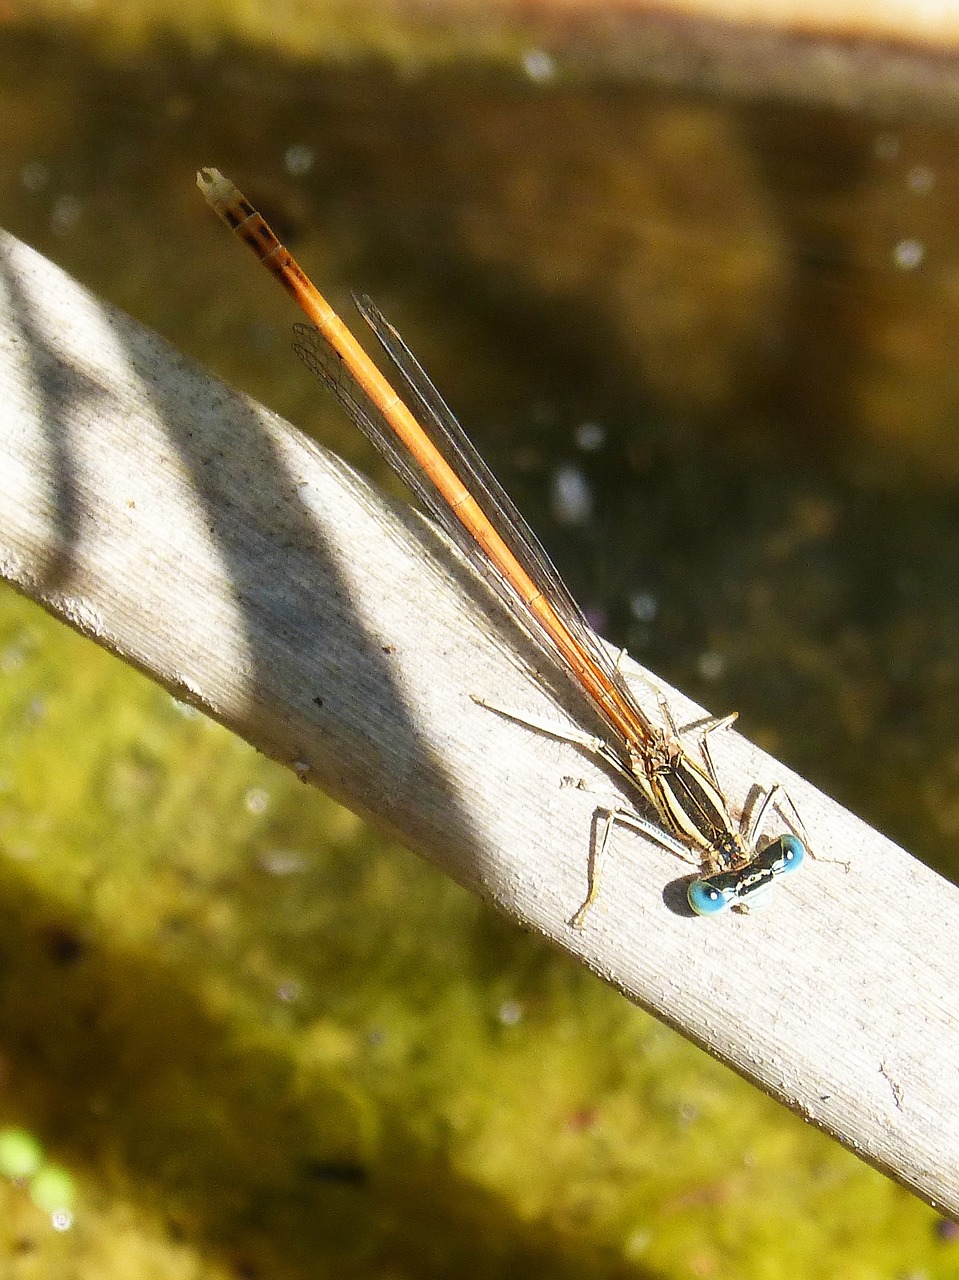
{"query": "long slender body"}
[(430, 450)]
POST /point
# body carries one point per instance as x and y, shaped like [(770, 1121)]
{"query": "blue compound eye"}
[(793, 853), (708, 899)]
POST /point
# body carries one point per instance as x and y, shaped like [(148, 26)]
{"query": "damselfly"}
[(429, 449)]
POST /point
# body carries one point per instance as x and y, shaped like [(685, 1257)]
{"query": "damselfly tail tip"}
[(217, 190)]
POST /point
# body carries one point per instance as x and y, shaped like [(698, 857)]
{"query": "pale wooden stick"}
[(203, 539)]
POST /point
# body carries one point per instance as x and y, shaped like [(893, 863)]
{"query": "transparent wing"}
[(448, 437)]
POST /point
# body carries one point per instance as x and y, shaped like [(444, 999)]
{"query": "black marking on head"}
[(752, 879)]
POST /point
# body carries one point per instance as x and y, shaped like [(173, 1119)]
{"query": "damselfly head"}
[(747, 887)]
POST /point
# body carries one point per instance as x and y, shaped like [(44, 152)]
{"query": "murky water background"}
[(711, 349)]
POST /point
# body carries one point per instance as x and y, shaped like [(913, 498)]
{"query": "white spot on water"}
[(644, 606), (35, 175), (299, 159), (570, 495), (510, 1012), (908, 254), (539, 65), (711, 665), (65, 215), (256, 800), (590, 436), (281, 862), (921, 179)]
